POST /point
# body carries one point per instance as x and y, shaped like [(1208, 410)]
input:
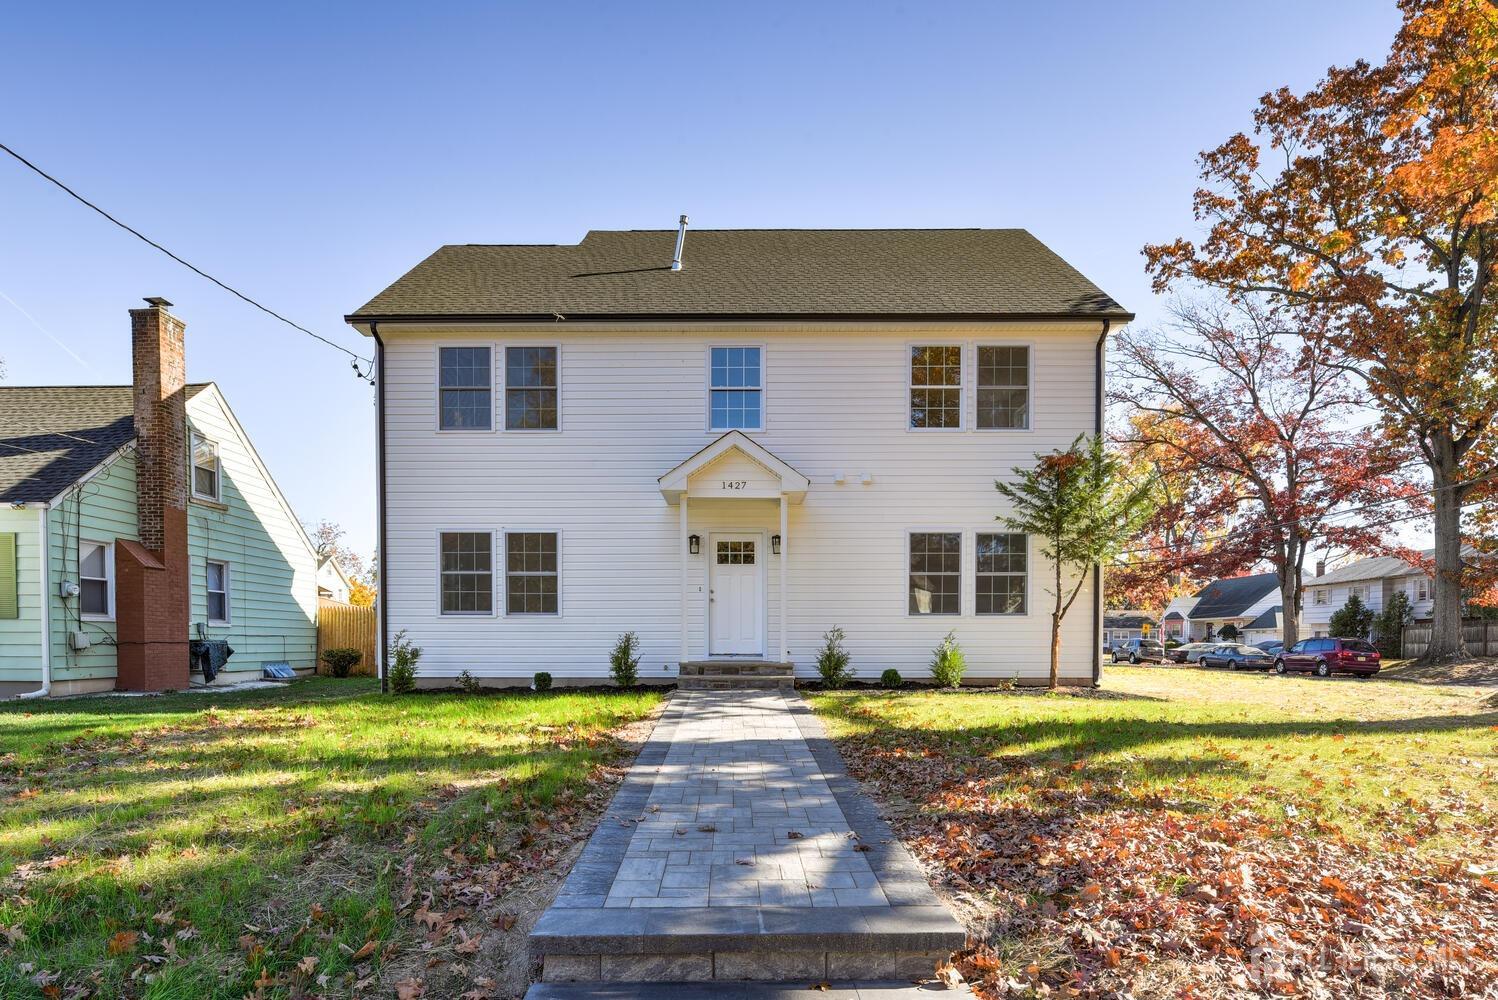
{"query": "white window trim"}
[(228, 591), (501, 382), (962, 571), (707, 395), (193, 438), (1029, 602), (494, 572), (108, 579), (1319, 596), (1420, 589), (962, 388), (504, 588), (1029, 427), (494, 397)]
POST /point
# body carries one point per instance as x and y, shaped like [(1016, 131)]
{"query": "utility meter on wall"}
[(69, 589)]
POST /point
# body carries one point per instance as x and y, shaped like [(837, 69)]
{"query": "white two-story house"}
[(728, 442), (1373, 580)]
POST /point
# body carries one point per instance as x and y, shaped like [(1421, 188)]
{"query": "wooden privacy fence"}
[(344, 625), (1480, 635)]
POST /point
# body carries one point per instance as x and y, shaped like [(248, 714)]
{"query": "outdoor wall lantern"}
[(694, 544), (775, 544)]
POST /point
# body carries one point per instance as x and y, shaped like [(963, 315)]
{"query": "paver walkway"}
[(739, 848)]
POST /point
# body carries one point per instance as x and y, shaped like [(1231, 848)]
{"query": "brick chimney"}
[(151, 576)]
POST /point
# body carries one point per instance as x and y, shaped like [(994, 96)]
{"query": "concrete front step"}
[(735, 668), (765, 943), (724, 990), (786, 683)]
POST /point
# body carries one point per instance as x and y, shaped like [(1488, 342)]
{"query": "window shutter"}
[(9, 587)]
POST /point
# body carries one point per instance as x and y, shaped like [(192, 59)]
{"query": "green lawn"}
[(192, 845), (1381, 761)]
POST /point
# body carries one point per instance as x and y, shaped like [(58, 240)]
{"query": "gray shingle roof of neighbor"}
[(749, 273), (51, 435), (1127, 619), (1174, 616), (1230, 598), (1269, 619), (1371, 568)]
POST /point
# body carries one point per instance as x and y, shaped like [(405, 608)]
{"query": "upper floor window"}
[(96, 579), (467, 572), (1002, 573), (1320, 595), (736, 389), (530, 388), (1421, 588), (935, 572), (205, 468), (464, 389), (936, 387), (1003, 388), (217, 580)]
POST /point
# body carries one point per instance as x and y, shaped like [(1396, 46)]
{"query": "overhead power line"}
[(190, 266)]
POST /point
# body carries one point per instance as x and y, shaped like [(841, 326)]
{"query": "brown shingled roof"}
[(51, 435), (750, 273)]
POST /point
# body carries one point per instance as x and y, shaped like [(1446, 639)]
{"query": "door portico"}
[(734, 467)]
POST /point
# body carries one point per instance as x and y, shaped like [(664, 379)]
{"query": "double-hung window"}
[(1002, 572), (96, 579), (936, 387), (217, 585), (467, 572), (205, 468), (1003, 388), (935, 572), (465, 396), (736, 389), (531, 572), (1422, 588), (530, 388)]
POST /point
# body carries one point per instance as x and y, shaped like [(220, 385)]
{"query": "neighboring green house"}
[(99, 510)]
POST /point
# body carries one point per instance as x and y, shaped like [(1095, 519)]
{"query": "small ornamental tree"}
[(1229, 633), (832, 661), (1080, 507), (1391, 622), (1352, 620), (624, 660)]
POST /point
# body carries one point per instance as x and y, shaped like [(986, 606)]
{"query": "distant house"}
[(134, 518), (1239, 601), (1175, 623), (1374, 580), (332, 582), (1121, 626), (1268, 626)]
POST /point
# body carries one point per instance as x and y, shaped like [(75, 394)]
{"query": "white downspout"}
[(46, 596)]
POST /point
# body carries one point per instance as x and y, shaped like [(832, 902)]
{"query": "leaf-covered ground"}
[(317, 841), (1189, 833)]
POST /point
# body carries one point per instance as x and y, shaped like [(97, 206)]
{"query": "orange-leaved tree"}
[(1371, 202)]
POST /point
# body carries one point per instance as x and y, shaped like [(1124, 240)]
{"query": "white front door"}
[(736, 596)]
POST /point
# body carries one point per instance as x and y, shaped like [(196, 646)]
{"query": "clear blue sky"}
[(310, 153)]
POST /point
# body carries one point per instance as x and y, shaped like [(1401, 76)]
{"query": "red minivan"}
[(1325, 657)]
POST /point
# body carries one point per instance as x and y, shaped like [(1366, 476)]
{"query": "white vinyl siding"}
[(837, 404)]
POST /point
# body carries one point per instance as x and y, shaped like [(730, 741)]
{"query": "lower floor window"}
[(467, 571), (1001, 574), (218, 591), (96, 579), (531, 573), (935, 572)]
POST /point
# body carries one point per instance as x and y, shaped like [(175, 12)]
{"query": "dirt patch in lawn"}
[(1478, 671)]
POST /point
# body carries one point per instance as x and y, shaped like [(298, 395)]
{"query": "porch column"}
[(682, 559), (785, 555)]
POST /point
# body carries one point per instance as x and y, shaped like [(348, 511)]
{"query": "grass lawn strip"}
[(1225, 835), (290, 843)]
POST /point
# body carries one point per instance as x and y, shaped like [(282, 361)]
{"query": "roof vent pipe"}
[(681, 239)]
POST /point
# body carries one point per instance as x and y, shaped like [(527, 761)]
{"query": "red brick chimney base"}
[(151, 610)]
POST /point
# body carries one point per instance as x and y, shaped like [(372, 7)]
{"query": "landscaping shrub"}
[(1390, 625), (342, 660), (1173, 644), (832, 661), (891, 678), (542, 681), (403, 657), (1352, 620), (948, 662), (1229, 633), (624, 661), (469, 683)]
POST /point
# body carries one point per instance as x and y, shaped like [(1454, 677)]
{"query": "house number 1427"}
[(735, 484)]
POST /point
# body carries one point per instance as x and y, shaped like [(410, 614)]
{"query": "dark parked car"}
[(1189, 653), (1236, 656), (1325, 657), (1139, 651), (1272, 647)]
